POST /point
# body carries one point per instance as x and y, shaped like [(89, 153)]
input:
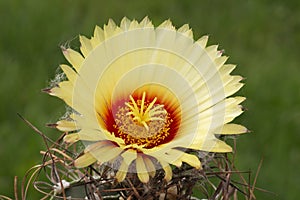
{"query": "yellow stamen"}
[(143, 117), (140, 126)]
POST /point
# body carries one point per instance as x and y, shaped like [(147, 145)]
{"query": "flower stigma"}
[(144, 117)]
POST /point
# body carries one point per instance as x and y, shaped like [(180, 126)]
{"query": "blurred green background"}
[(261, 36)]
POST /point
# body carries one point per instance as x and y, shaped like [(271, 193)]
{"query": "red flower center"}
[(145, 120)]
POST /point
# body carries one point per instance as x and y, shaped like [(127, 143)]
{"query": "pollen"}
[(142, 122)]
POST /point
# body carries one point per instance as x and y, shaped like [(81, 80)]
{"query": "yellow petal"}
[(180, 157), (110, 29), (150, 166), (212, 51), (71, 138), (233, 86), (170, 156), (141, 169), (73, 57), (185, 30), (98, 36), (113, 138), (168, 170), (231, 129), (85, 160), (191, 160), (90, 135), (233, 102), (221, 147), (211, 145), (96, 145), (64, 91), (233, 109), (202, 42), (125, 23), (220, 61), (239, 99), (70, 73), (86, 45), (122, 172), (128, 156), (217, 146), (66, 125), (167, 24), (104, 151), (133, 25), (146, 23), (227, 69)]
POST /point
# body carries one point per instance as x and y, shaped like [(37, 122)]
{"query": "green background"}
[(261, 36)]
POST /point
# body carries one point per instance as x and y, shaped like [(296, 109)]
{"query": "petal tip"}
[(51, 125), (71, 138), (46, 90)]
